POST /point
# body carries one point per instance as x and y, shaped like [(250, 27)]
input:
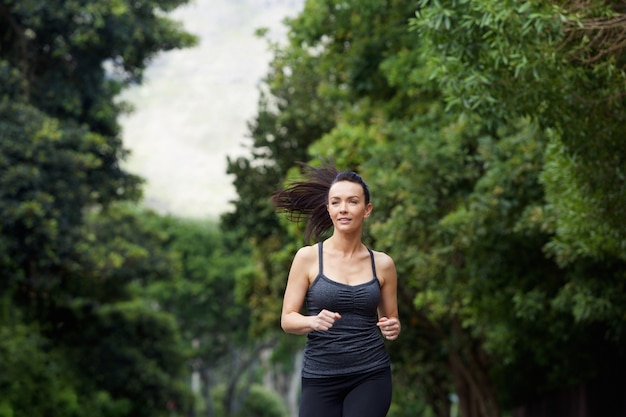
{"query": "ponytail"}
[(308, 199)]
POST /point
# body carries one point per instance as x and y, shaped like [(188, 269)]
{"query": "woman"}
[(350, 295)]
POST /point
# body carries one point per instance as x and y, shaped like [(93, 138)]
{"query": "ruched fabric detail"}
[(353, 344)]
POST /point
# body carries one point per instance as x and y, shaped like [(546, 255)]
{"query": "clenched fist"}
[(390, 328), (324, 320)]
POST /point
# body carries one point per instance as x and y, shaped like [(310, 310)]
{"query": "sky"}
[(193, 106)]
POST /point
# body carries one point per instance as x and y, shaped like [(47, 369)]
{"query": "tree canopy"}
[(491, 135), (75, 335)]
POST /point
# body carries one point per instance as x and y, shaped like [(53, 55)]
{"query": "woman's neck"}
[(346, 244)]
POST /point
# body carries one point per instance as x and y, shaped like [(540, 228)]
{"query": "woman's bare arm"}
[(388, 322), (300, 277)]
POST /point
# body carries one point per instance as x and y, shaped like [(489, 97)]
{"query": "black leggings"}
[(360, 395)]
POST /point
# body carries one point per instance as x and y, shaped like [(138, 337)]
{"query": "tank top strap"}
[(319, 250), (373, 263)]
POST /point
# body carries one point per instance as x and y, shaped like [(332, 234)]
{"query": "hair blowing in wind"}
[(307, 199)]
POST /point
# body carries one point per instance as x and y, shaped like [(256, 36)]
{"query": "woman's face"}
[(346, 205)]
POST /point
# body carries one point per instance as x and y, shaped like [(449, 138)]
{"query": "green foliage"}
[(503, 61), (33, 381), (259, 402), (558, 65), (60, 50), (204, 297), (582, 229), (50, 171), (137, 359), (514, 40), (491, 134), (74, 335), (210, 303)]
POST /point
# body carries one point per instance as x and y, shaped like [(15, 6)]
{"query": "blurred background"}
[(142, 266)]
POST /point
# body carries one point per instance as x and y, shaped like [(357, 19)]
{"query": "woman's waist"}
[(327, 356)]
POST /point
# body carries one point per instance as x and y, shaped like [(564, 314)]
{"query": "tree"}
[(63, 51), (62, 149), (334, 77), (561, 65), (213, 316), (482, 185), (62, 66), (507, 61)]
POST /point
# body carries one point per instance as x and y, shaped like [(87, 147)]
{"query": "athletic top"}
[(354, 344)]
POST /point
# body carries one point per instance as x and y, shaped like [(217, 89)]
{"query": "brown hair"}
[(308, 199)]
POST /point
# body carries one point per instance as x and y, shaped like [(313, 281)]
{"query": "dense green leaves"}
[(32, 381), (74, 335), (128, 351), (50, 173), (492, 137), (62, 50), (559, 65), (491, 134)]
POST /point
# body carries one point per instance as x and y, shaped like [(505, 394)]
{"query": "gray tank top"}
[(354, 344)]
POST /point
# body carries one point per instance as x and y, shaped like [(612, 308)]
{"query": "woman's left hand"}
[(389, 327)]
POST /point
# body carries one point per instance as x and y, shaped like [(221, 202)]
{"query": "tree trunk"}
[(469, 372), (206, 391), (294, 385), (240, 367)]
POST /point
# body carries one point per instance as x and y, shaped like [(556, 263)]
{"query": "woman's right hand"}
[(324, 320)]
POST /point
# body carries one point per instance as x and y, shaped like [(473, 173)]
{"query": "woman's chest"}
[(328, 294)]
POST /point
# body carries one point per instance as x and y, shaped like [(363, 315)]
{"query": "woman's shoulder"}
[(307, 253), (382, 257), (305, 262), (383, 261)]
